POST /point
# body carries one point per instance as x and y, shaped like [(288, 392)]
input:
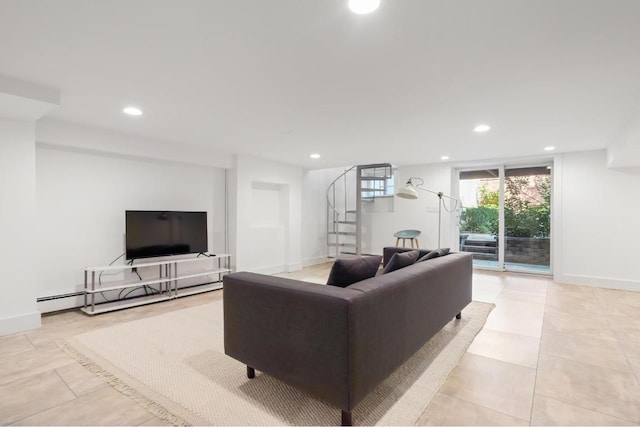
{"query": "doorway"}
[(505, 218)]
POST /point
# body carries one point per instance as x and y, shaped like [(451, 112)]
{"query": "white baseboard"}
[(60, 304), (598, 282), (315, 261), (24, 322)]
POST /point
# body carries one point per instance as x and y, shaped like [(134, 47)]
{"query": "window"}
[(377, 181)]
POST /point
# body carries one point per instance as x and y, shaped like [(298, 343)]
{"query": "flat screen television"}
[(162, 233)]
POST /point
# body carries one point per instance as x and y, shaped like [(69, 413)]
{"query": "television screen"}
[(162, 233)]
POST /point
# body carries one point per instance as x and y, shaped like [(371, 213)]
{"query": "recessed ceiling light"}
[(444, 158), (132, 111), (362, 7), (315, 156), (481, 128), (549, 148)]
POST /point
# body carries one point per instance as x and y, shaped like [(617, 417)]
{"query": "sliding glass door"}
[(527, 219), (505, 217), (480, 216)]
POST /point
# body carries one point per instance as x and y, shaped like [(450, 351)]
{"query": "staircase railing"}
[(331, 208)]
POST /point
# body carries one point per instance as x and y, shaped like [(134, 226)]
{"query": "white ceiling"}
[(284, 78)]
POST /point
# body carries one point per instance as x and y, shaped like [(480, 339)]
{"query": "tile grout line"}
[(48, 342), (626, 358), (65, 382), (30, 342), (589, 409), (535, 381), (514, 364), (588, 364), (482, 406), (536, 368), (52, 407), (583, 363), (19, 351), (512, 333)]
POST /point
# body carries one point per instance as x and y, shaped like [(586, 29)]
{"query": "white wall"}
[(597, 224), (81, 203), (18, 310), (273, 244), (420, 214), (381, 218), (101, 141), (276, 213), (624, 151)]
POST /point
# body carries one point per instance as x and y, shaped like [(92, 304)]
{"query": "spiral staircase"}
[(346, 196)]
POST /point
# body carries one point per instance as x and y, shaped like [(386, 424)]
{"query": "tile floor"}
[(549, 354)]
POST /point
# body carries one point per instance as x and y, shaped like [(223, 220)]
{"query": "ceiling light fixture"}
[(362, 7), (315, 156), (549, 148), (132, 111), (444, 158), (482, 128)]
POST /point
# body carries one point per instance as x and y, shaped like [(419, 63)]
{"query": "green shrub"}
[(530, 221), (479, 220), (526, 212)]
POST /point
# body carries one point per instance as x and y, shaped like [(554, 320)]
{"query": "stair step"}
[(351, 211), (344, 233), (343, 245), (479, 249), (345, 222), (378, 190)]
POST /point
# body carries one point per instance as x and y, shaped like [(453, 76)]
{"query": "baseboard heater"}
[(54, 297)]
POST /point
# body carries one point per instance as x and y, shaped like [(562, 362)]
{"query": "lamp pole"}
[(439, 217), (440, 195), (409, 192)]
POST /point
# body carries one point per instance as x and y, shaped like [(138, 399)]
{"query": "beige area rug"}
[(174, 365)]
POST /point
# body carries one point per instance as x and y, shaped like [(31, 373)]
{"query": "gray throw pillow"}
[(430, 255), (351, 270), (435, 254), (400, 260)]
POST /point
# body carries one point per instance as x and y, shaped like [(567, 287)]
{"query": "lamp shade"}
[(408, 191)]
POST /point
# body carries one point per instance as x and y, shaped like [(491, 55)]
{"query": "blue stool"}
[(407, 234)]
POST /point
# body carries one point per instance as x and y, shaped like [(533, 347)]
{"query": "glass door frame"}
[(501, 167)]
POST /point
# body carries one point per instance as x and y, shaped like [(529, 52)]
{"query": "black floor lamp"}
[(409, 191)]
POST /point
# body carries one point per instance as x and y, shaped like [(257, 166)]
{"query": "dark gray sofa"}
[(338, 344)]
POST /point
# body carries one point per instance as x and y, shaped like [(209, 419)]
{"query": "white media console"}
[(166, 282)]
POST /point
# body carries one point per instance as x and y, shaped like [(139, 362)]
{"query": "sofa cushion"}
[(443, 251), (388, 252), (351, 270), (430, 255), (434, 254), (401, 260)]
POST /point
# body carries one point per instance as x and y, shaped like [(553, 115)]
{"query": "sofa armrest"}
[(400, 311), (292, 330)]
